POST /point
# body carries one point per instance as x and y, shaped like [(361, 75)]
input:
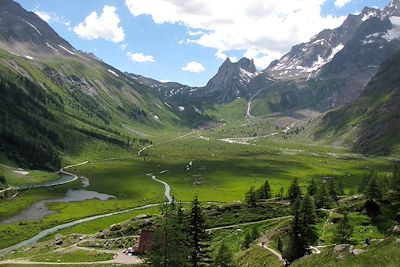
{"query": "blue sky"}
[(187, 41)]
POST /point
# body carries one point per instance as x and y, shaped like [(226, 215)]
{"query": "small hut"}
[(144, 242)]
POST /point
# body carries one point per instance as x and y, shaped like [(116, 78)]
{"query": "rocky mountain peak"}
[(392, 9), (33, 35)]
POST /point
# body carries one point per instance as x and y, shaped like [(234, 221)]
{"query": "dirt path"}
[(273, 251), (248, 223)]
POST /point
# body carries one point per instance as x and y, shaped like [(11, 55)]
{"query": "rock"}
[(396, 229), (397, 240), (340, 248), (358, 251), (58, 241), (351, 249)]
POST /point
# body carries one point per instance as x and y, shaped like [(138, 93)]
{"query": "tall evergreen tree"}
[(312, 188), (344, 229), (170, 241), (280, 245), (265, 191), (322, 199), (373, 190), (251, 198), (294, 191), (333, 189), (247, 240), (362, 187), (198, 236), (297, 245), (309, 219), (396, 179), (303, 229), (224, 257)]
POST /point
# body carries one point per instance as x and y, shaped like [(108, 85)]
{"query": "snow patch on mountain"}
[(68, 51), (113, 73), (33, 26), (393, 33), (50, 46)]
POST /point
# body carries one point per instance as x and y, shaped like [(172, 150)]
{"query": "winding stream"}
[(167, 187)]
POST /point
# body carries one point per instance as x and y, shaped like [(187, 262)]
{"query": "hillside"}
[(55, 99), (372, 122)]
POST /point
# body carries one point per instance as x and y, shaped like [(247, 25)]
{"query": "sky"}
[(187, 41)]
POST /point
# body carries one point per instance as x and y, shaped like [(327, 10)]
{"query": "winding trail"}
[(57, 228), (273, 251), (167, 187), (248, 223)]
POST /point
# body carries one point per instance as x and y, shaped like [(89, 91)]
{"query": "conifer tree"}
[(294, 191), (169, 247), (312, 188), (224, 257), (251, 198), (373, 190), (265, 191), (396, 179), (344, 229), (247, 240), (365, 181), (254, 233), (333, 189), (198, 236), (308, 220), (322, 199)]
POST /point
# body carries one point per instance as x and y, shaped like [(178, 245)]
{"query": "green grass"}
[(257, 256), (34, 176), (73, 256), (384, 253)]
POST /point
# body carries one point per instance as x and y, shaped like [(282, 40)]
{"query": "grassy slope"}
[(384, 253), (371, 123)]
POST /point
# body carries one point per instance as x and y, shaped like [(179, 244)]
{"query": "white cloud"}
[(123, 46), (43, 15), (194, 33), (269, 27), (165, 81), (194, 67), (104, 27), (139, 57), (342, 3)]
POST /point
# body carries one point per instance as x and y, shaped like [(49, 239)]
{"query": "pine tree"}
[(251, 198), (373, 190), (280, 194), (396, 179), (332, 189), (340, 187), (344, 230), (297, 246), (224, 257), (265, 191), (198, 235), (309, 219), (362, 187), (247, 240), (322, 199), (169, 247), (303, 229), (294, 191), (254, 233), (312, 188)]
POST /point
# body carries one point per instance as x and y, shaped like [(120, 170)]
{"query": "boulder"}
[(358, 251), (340, 248), (396, 229)]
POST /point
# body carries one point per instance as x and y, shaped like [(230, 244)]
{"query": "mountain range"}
[(55, 100)]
